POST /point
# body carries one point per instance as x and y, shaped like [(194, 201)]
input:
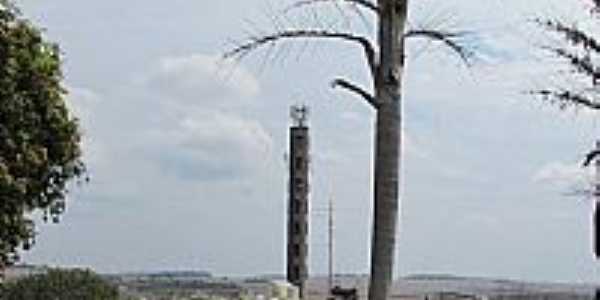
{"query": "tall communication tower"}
[(297, 248)]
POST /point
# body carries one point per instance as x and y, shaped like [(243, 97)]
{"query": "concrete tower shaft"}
[(298, 202)]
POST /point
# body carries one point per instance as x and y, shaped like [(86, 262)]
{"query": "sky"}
[(187, 151)]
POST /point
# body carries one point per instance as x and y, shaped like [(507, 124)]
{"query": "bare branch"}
[(362, 3), (589, 157), (583, 65), (254, 43), (342, 83), (450, 39), (573, 35), (581, 59), (566, 99)]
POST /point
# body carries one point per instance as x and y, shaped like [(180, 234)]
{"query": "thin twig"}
[(448, 38), (572, 34), (255, 42), (565, 99), (583, 65), (362, 3)]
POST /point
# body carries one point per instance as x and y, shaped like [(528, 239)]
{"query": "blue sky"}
[(186, 152)]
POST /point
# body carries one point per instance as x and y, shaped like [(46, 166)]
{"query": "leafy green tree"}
[(60, 284), (39, 139)]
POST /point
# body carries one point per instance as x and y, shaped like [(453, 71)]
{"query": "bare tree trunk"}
[(387, 151), (386, 62), (388, 85)]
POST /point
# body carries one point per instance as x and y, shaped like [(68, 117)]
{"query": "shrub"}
[(60, 285)]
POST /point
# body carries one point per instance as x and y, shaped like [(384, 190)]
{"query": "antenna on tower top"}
[(299, 114)]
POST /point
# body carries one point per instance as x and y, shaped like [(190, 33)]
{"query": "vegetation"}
[(580, 50), (39, 140), (60, 284)]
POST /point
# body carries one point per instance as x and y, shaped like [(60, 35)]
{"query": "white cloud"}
[(351, 116), (210, 145), (82, 102), (204, 80), (564, 174), (201, 134)]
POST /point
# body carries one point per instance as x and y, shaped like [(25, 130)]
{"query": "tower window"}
[(299, 162)]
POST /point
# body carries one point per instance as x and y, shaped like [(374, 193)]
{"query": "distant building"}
[(284, 290), (269, 290)]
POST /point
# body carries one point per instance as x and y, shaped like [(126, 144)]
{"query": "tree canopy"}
[(39, 139), (579, 48), (60, 284), (580, 52)]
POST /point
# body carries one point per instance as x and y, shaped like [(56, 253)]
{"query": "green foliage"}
[(60, 284), (39, 140)]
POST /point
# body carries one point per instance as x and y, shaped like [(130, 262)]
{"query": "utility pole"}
[(596, 217), (330, 244), (297, 248)]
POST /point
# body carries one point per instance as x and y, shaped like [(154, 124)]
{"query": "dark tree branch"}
[(342, 83), (583, 65), (256, 42), (362, 3), (590, 157), (565, 99), (579, 53), (450, 39), (572, 34)]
